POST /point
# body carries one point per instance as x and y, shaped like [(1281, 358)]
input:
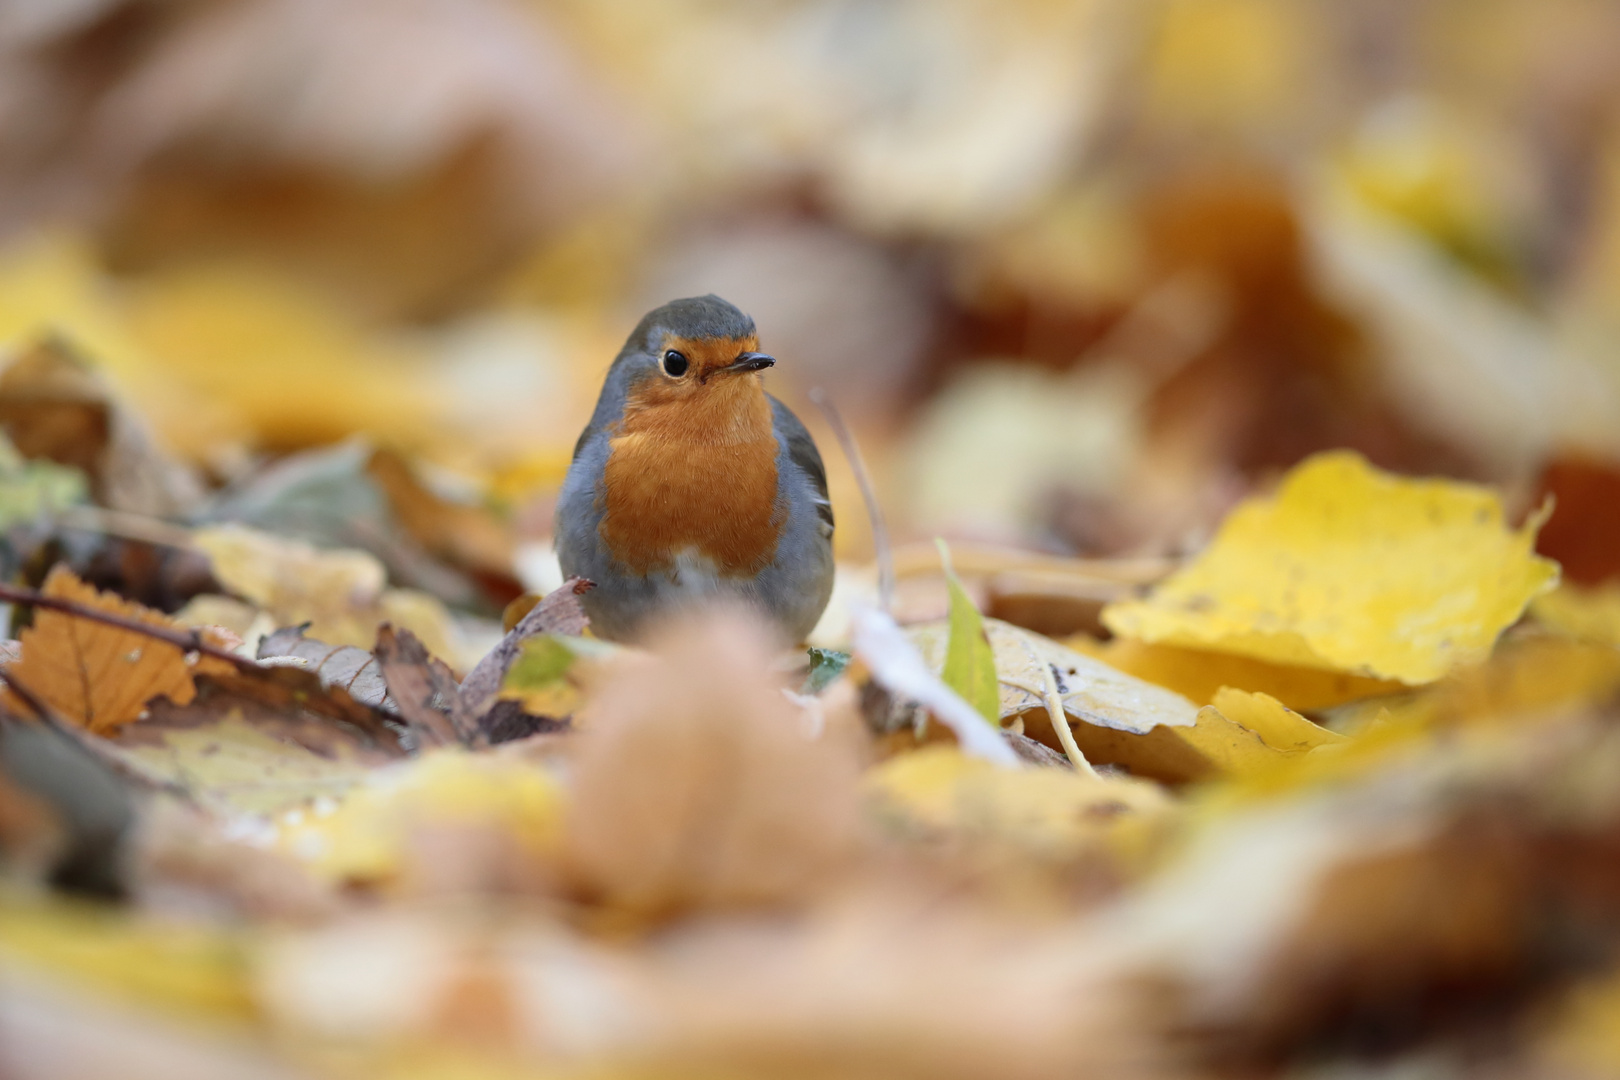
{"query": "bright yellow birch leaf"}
[(1351, 569), (1278, 726), (1531, 680), (1243, 733), (1199, 674), (970, 665), (1589, 614)]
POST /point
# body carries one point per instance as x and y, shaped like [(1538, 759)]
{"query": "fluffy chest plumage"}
[(693, 476)]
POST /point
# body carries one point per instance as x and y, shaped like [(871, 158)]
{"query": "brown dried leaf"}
[(99, 676), (55, 407), (416, 681), (461, 533), (353, 669), (696, 784)]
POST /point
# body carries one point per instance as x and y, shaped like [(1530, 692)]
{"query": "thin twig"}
[(863, 479), (126, 526), (185, 640), (84, 740)]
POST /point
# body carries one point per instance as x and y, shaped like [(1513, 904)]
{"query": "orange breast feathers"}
[(693, 467)]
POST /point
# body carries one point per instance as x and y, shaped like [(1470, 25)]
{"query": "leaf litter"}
[(1331, 792), (676, 792)]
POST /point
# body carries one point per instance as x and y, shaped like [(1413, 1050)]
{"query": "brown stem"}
[(857, 464), (186, 640)]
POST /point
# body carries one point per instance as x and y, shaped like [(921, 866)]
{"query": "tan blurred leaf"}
[(696, 785), (461, 533), (101, 676), (53, 406), (341, 593)]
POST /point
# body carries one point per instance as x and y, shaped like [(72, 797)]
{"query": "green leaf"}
[(970, 665), (30, 490), (542, 675), (825, 666)]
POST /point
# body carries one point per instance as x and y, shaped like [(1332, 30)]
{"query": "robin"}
[(691, 483)]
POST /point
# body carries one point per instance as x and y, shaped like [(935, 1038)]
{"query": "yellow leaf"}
[(96, 675), (301, 371), (368, 838), (1278, 726), (545, 677), (1589, 614), (1529, 680), (970, 666), (1245, 733), (1198, 674), (242, 766), (194, 968), (1350, 569), (1053, 812)]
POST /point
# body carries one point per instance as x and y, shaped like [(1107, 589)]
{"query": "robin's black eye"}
[(675, 364)]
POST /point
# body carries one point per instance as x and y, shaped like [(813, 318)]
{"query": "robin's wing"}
[(803, 453)]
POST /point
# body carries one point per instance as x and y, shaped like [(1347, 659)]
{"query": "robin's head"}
[(690, 348)]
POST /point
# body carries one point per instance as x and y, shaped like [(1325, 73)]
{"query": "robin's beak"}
[(750, 361)]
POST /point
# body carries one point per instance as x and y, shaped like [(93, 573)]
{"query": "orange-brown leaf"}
[(96, 675)]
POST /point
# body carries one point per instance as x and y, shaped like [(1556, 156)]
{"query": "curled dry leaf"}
[(99, 676), (695, 784), (353, 669), (423, 688)]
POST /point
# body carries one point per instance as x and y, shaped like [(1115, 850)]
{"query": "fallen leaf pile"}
[(687, 862), (1220, 407)]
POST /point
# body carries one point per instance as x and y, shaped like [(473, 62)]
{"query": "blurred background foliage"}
[(1080, 273)]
